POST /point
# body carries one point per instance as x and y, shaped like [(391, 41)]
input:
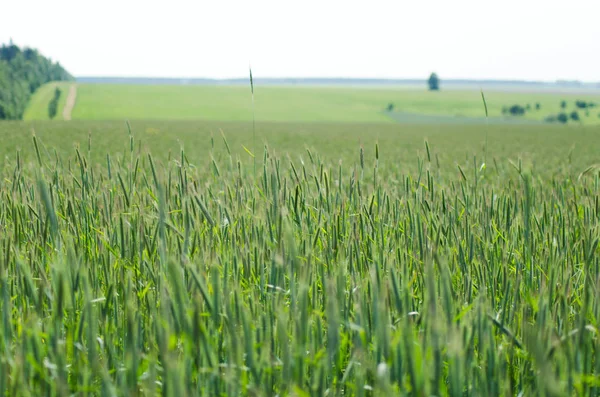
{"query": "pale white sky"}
[(478, 39)]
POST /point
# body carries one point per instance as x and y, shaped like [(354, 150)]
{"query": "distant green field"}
[(298, 104), (38, 104)]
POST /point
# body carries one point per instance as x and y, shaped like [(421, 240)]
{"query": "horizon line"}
[(349, 79)]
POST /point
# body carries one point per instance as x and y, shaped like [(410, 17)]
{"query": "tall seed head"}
[(362, 158)]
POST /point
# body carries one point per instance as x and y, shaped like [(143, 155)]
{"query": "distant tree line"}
[(564, 117), (584, 104), (518, 110), (22, 71)]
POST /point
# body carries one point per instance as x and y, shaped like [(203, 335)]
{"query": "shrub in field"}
[(562, 117), (516, 110), (581, 104), (390, 107), (537, 106), (584, 104), (563, 104), (574, 115), (53, 104)]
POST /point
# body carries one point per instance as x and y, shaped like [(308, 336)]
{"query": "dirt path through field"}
[(70, 102)]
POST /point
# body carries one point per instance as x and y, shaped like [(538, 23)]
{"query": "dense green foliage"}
[(517, 110), (562, 117), (584, 105), (22, 71), (177, 263), (53, 104)]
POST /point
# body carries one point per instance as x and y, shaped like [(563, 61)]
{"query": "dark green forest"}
[(22, 71)]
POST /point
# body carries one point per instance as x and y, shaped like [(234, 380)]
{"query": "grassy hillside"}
[(299, 104), (384, 260), (37, 109)]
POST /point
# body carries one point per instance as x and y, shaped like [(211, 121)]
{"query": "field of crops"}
[(302, 103), (199, 258)]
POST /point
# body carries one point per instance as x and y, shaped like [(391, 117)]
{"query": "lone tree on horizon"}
[(433, 82)]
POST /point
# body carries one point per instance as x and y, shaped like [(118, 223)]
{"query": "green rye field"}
[(184, 258), (301, 104)]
